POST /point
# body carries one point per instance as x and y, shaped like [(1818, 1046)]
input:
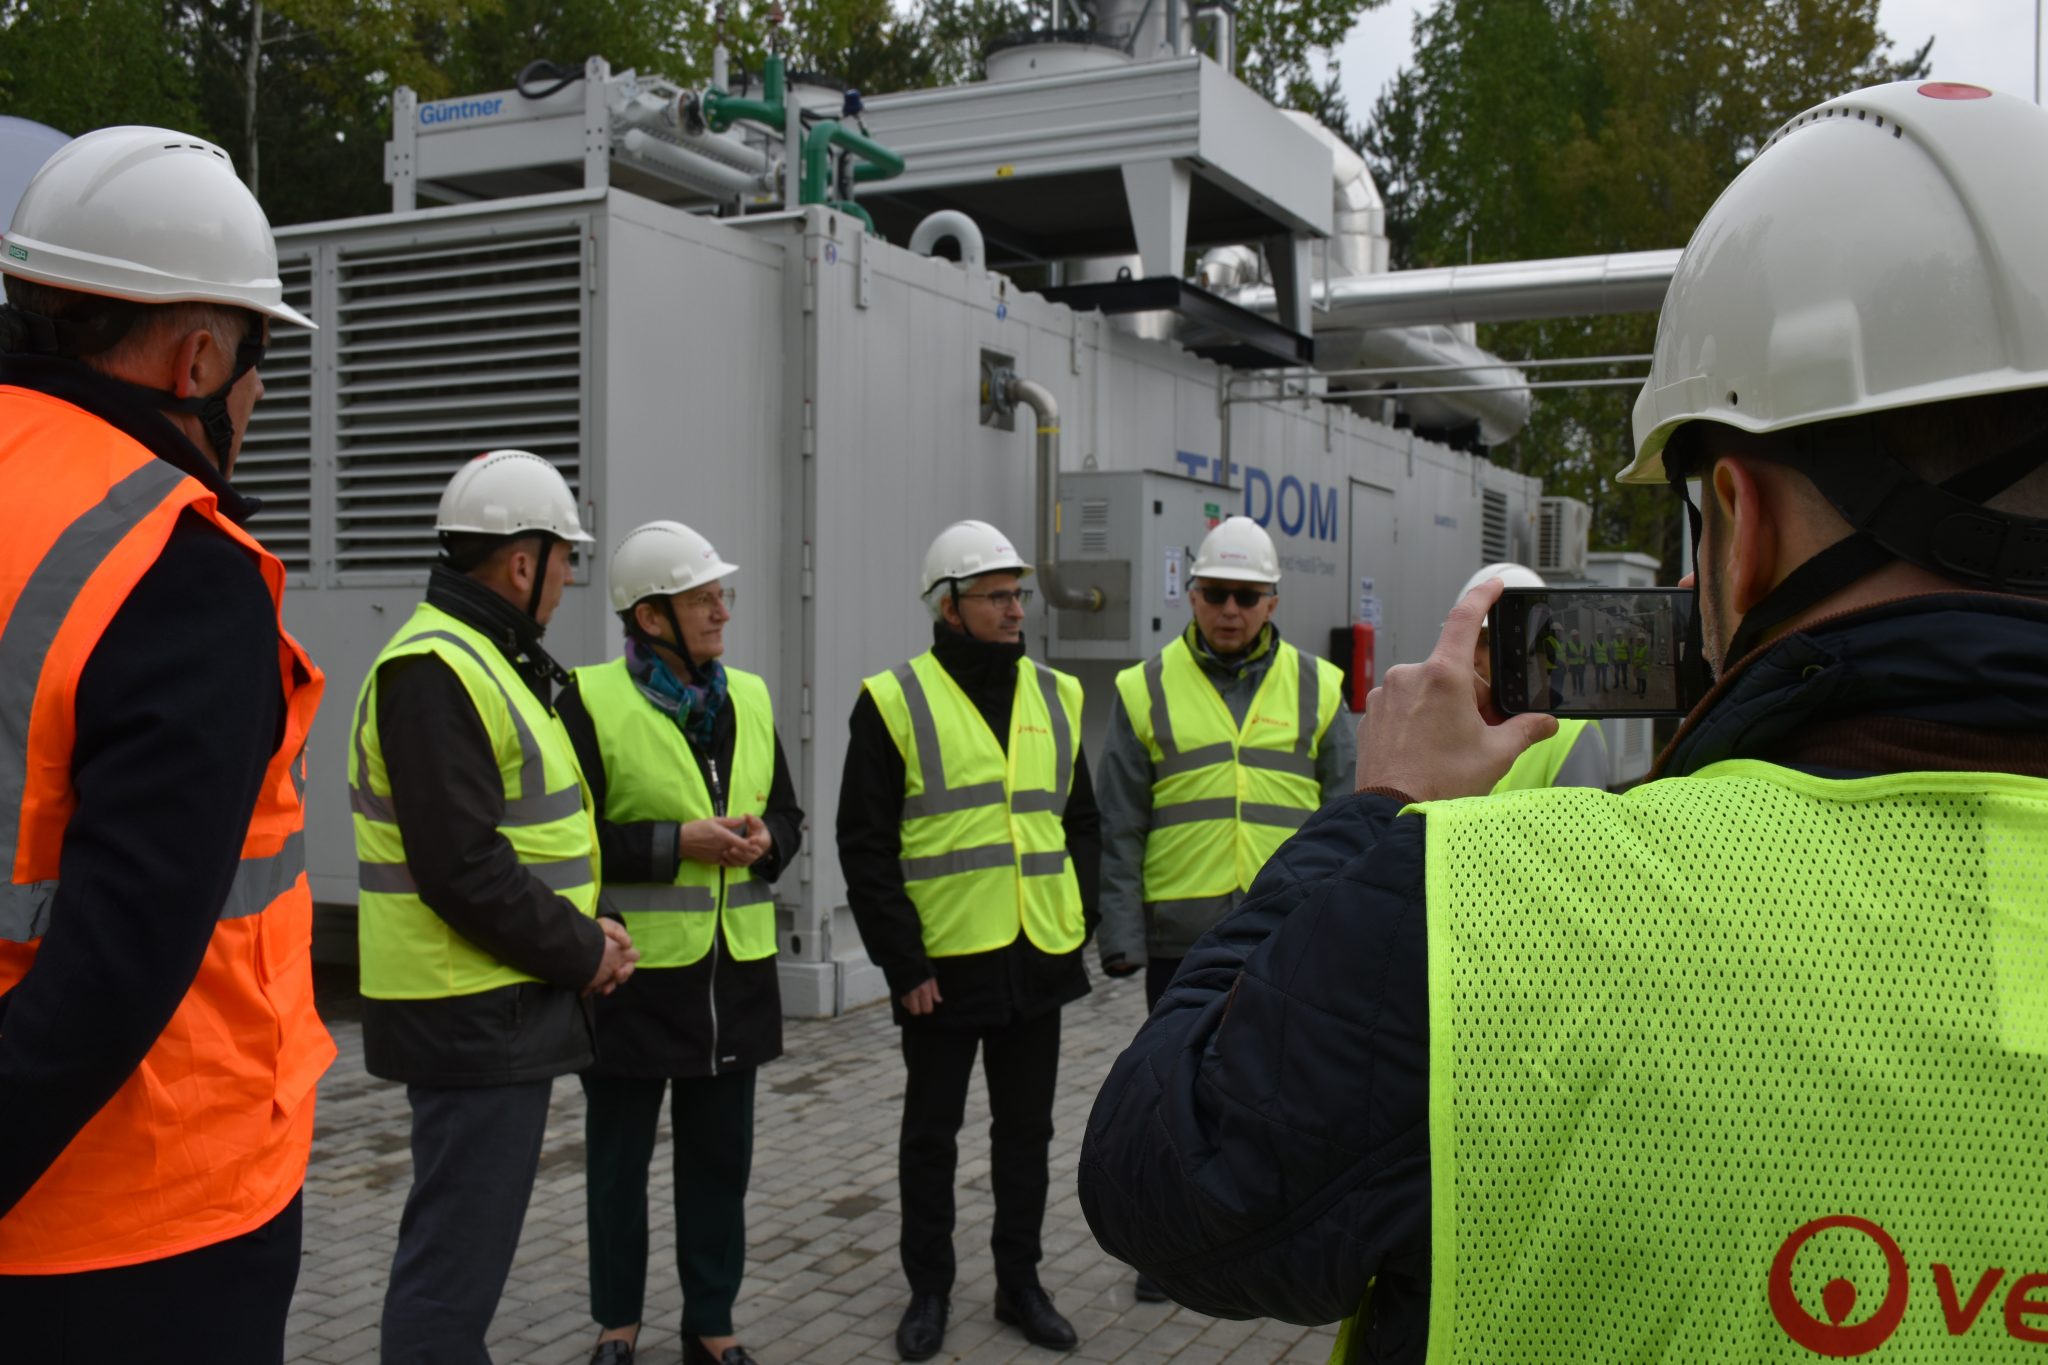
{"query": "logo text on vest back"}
[(1833, 1335)]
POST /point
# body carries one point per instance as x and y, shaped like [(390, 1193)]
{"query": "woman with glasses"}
[(697, 817), (1219, 747)]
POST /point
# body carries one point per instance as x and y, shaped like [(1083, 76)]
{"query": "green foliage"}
[(1541, 128), (79, 64)]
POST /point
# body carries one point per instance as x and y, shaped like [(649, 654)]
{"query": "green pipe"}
[(878, 162), (722, 110), (853, 210)]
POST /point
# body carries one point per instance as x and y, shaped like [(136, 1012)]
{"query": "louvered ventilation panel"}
[(1095, 526), (276, 463), (447, 350), (1494, 542)]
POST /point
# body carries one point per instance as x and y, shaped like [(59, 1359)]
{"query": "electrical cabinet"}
[(1132, 535)]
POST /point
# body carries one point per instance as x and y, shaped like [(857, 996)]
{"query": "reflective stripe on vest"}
[(1703, 1050), (1225, 795), (651, 773), (408, 952), (984, 851), (84, 513)]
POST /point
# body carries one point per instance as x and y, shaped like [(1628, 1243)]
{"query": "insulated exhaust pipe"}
[(1046, 562)]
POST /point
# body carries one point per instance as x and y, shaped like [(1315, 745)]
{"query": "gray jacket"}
[(1131, 930)]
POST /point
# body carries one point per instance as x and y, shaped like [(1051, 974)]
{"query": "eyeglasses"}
[(1244, 597), (1004, 600), (710, 597)]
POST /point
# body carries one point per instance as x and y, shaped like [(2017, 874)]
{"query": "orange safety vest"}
[(208, 1139)]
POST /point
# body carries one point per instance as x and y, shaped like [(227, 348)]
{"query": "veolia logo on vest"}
[(1835, 1336)]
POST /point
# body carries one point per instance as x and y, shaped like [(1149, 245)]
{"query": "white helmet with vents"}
[(1881, 252), (1237, 550), (968, 549), (505, 492), (151, 215), (1511, 575), (660, 559)]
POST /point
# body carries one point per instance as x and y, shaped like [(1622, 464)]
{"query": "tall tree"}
[(1534, 128)]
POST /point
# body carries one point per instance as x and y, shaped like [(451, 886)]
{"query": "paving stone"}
[(823, 1283)]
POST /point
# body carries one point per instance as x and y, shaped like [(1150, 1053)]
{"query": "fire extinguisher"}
[(1351, 650)]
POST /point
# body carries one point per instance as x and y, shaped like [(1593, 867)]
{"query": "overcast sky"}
[(1989, 42)]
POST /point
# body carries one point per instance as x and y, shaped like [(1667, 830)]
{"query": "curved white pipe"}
[(1500, 413), (657, 116), (1043, 407), (713, 177), (937, 227)]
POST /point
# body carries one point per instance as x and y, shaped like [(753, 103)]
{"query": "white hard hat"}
[(661, 558), (1513, 575), (968, 549), (1239, 550), (1880, 252), (150, 215), (504, 492)]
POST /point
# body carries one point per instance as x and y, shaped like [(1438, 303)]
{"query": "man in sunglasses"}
[(1219, 747), (968, 836)]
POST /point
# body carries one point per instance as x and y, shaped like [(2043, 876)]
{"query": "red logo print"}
[(1835, 1336)]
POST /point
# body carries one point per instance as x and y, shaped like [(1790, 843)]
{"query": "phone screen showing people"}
[(1579, 652)]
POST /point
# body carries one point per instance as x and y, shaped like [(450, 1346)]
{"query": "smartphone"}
[(1588, 653)]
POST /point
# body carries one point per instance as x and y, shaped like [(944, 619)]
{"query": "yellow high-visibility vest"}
[(1225, 795), (650, 773), (408, 952), (984, 845)]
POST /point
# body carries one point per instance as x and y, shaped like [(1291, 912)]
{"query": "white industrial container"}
[(809, 398)]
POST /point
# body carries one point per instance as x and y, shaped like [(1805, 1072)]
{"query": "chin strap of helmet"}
[(1897, 515), (34, 334), (212, 408), (544, 552)]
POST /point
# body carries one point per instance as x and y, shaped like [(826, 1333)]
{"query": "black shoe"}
[(923, 1329), (1031, 1309), (695, 1352), (613, 1352), (1149, 1290)]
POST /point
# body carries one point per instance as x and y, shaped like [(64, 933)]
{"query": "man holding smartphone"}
[(1570, 1075)]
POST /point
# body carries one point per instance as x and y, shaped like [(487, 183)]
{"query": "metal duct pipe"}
[(659, 116), (937, 227), (1046, 563), (1509, 291), (713, 177)]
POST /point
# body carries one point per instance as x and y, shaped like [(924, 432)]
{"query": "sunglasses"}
[(1244, 597)]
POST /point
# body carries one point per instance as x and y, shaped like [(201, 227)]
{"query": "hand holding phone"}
[(1427, 732), (1592, 653)]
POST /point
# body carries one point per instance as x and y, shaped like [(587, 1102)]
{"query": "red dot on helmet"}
[(1954, 90)]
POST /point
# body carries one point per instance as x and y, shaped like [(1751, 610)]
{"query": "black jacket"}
[(980, 989), (179, 711), (449, 797), (715, 1015), (1262, 1146)]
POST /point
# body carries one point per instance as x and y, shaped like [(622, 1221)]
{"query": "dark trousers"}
[(223, 1304), (712, 1119), (474, 1156), (1021, 1061)]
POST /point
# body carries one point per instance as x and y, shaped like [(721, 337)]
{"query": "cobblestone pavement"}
[(823, 1284)]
